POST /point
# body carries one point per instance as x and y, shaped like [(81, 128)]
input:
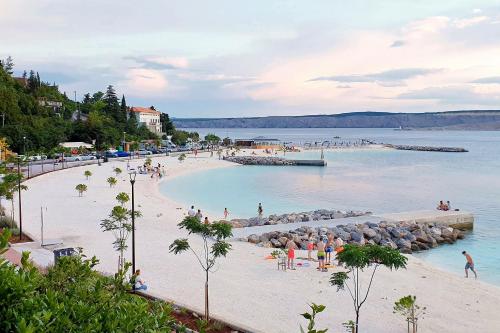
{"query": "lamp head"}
[(132, 176)]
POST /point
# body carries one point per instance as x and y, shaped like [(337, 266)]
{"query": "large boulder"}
[(369, 233), (410, 237), (421, 236), (403, 244), (356, 237), (283, 240), (389, 243), (276, 243), (254, 239), (265, 244)]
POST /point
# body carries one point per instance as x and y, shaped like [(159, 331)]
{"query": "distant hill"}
[(457, 120)]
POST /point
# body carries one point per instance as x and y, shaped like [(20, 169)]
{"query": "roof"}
[(75, 144), (263, 138), (140, 109)]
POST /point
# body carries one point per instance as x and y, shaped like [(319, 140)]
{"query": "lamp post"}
[(19, 193), (132, 182), (123, 143)]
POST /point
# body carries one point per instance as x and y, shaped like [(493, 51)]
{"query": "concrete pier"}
[(456, 219)]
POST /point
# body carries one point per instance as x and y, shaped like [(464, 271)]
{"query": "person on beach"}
[(291, 246), (329, 249), (260, 210), (191, 212), (206, 221), (339, 247), (226, 213), (199, 215), (321, 255), (448, 204), (310, 248), (137, 282), (469, 265)]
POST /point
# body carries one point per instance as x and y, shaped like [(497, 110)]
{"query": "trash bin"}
[(63, 253)]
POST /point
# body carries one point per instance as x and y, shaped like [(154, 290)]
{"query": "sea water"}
[(381, 181)]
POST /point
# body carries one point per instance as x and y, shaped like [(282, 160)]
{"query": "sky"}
[(230, 58)]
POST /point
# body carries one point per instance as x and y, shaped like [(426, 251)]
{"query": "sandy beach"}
[(246, 289)]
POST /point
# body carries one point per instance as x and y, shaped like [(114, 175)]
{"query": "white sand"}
[(245, 289)]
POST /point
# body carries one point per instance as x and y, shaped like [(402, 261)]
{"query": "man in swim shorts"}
[(321, 255), (469, 265), (329, 249), (291, 246)]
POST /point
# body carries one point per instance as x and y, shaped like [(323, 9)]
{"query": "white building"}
[(148, 117)]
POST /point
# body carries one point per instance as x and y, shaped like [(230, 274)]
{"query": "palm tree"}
[(122, 198), (87, 174), (117, 171)]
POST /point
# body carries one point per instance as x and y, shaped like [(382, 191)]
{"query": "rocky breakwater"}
[(428, 148), (405, 236), (317, 215), (268, 160)]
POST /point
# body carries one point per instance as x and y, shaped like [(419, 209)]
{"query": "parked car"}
[(87, 157), (143, 152), (110, 154), (122, 154)]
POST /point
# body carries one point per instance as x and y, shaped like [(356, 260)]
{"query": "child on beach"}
[(329, 249), (339, 247), (291, 246), (321, 255), (310, 248)]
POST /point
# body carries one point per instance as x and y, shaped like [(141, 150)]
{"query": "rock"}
[(254, 239), (388, 242), (276, 243), (369, 233), (357, 237), (371, 225), (377, 239), (283, 240), (415, 247), (410, 237), (436, 231), (421, 236), (403, 244), (265, 244), (422, 246)]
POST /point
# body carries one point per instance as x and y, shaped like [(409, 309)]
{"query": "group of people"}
[(325, 246), (444, 206), (198, 214)]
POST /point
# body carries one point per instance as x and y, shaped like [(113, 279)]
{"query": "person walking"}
[(469, 265), (226, 213), (260, 210)]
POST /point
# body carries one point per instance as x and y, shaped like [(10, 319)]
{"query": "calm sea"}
[(380, 181)]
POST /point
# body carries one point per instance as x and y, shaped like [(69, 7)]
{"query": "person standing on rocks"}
[(469, 265), (260, 210), (291, 246)]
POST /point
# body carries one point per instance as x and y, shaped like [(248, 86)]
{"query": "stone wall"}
[(405, 236), (317, 215)]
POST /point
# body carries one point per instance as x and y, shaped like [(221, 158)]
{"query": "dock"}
[(428, 148), (276, 161)]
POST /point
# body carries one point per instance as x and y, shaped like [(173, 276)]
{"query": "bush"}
[(7, 222), (72, 297)]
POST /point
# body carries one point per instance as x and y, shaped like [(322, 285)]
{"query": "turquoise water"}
[(380, 181)]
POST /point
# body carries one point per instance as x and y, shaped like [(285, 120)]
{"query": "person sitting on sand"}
[(137, 282), (321, 255), (329, 249), (469, 265), (310, 248), (290, 246)]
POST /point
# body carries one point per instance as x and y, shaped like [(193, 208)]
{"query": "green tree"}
[(181, 157), (214, 238), (81, 188), (408, 308), (87, 174), (119, 223), (8, 65), (123, 111), (358, 258), (111, 181), (167, 126), (122, 198), (311, 317), (117, 171)]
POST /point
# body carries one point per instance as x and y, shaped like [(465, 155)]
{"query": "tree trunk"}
[(357, 322), (207, 314)]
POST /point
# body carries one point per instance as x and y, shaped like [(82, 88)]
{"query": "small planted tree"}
[(81, 188), (311, 317), (214, 246), (408, 308), (111, 181), (117, 171), (87, 174), (182, 157), (122, 198), (357, 259), (119, 223)]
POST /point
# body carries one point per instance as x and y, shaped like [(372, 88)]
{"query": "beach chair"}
[(282, 262)]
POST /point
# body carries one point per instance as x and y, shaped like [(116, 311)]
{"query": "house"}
[(148, 117), (259, 142)]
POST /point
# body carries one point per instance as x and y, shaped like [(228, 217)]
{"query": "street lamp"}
[(132, 182), (124, 140), (19, 193)]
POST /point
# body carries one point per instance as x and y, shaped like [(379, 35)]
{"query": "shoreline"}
[(264, 303)]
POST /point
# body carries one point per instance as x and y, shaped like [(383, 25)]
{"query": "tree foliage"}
[(80, 189), (215, 246), (311, 317), (72, 297), (407, 307), (358, 258)]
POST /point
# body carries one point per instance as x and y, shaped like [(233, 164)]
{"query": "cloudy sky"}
[(264, 57)]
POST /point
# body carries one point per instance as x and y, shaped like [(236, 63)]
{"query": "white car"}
[(144, 152)]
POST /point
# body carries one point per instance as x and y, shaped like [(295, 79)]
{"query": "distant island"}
[(484, 120)]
